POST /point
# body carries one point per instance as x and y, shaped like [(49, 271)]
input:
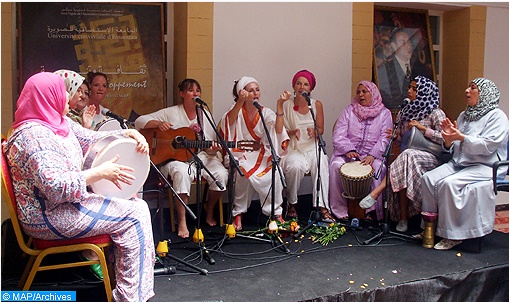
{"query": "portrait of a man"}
[(402, 52)]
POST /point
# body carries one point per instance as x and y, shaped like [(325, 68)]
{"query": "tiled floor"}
[(502, 221)]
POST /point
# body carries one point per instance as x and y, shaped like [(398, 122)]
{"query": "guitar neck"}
[(206, 144)]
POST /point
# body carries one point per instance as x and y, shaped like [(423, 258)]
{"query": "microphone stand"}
[(234, 165), (198, 234), (315, 214), (162, 247), (384, 226), (273, 228)]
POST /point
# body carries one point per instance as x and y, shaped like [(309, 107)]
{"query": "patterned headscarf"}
[(306, 74), (365, 112), (427, 100), (72, 80), (43, 100), (489, 97)]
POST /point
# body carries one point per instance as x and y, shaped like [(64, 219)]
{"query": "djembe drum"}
[(356, 180), (428, 238)]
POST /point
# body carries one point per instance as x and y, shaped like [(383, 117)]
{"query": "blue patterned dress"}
[(53, 203)]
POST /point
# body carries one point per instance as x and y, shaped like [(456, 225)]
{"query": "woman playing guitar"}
[(187, 114)]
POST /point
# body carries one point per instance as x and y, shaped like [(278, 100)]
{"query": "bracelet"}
[(280, 114)]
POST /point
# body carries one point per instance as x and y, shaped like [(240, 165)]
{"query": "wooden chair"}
[(38, 249)]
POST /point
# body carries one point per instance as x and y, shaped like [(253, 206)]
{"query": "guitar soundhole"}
[(176, 145)]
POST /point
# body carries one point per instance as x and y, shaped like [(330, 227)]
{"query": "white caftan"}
[(303, 158), (461, 190), (256, 165)]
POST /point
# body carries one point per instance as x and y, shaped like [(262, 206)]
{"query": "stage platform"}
[(346, 270)]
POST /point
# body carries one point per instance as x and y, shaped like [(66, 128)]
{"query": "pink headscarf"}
[(43, 100), (376, 102), (308, 75)]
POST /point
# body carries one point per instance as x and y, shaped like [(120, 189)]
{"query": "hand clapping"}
[(450, 132)]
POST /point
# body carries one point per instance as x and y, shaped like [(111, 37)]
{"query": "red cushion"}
[(41, 244)]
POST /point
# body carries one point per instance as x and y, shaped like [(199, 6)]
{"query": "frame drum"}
[(105, 149), (108, 125), (356, 179)]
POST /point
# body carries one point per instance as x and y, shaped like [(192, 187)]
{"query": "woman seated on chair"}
[(359, 134), (460, 191), (405, 172), (302, 155), (187, 114), (45, 153), (243, 122)]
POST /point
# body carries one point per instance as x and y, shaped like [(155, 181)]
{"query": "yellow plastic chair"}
[(38, 249)]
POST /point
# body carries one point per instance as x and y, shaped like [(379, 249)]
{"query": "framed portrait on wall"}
[(124, 41), (402, 50)]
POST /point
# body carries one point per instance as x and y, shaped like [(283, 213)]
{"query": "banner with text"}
[(123, 41)]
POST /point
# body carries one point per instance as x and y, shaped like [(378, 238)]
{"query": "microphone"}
[(257, 105), (199, 101), (401, 109), (167, 270), (107, 112), (305, 94), (406, 101)]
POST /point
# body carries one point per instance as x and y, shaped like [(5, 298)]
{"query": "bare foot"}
[(210, 215), (237, 224), (210, 220), (183, 231)]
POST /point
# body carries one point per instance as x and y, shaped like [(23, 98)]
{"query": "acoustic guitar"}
[(173, 144)]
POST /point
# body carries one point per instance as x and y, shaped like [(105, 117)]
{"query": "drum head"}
[(108, 125), (126, 148), (356, 170)]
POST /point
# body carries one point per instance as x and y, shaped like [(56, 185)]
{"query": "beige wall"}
[(7, 79), (7, 57), (463, 55), (193, 45), (362, 42)]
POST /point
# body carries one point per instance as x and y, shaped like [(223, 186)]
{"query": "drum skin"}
[(108, 125), (104, 150), (356, 179)]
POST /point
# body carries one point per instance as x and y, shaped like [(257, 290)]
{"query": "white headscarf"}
[(242, 83), (72, 80)]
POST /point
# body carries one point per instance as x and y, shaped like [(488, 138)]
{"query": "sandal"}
[(326, 215), (418, 236), (291, 212), (446, 244)]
